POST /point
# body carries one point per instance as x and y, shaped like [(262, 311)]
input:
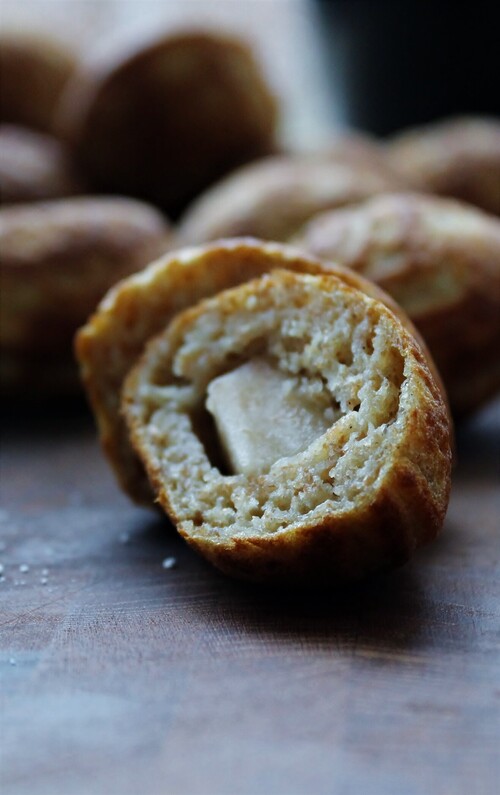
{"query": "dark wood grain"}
[(119, 676)]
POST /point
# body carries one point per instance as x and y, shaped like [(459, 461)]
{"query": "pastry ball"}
[(274, 197), (34, 166), (292, 431), (440, 260), (57, 259), (140, 306), (162, 121), (359, 149), (34, 70), (458, 158)]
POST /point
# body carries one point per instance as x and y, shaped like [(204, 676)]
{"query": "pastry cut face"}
[(274, 197), (57, 259), (459, 158), (359, 492), (440, 260), (34, 166), (163, 120), (138, 308)]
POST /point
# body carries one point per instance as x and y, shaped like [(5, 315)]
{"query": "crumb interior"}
[(342, 354)]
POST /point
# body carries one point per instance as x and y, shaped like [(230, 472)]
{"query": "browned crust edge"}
[(138, 308), (384, 533)]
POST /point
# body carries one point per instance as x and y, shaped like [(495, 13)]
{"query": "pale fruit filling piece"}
[(307, 389), (262, 415)]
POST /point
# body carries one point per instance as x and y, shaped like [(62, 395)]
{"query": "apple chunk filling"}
[(262, 416)]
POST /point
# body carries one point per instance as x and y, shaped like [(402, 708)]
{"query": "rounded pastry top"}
[(163, 119), (34, 70), (274, 197), (457, 157), (34, 166), (440, 260), (58, 258), (359, 149), (56, 232)]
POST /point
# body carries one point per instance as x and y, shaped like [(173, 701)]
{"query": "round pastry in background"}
[(163, 121), (440, 260), (292, 431), (34, 70), (34, 166), (139, 307), (274, 197), (359, 149), (57, 259), (458, 158)]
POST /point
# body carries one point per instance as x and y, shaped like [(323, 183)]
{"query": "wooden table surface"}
[(120, 676)]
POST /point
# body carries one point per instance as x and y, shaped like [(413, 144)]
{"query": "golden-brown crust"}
[(138, 308), (34, 166), (379, 531), (441, 261), (458, 158), (381, 536), (58, 258), (34, 70), (273, 198), (164, 120)]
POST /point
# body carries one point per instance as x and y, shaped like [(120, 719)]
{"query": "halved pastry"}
[(292, 431), (440, 260), (140, 306)]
